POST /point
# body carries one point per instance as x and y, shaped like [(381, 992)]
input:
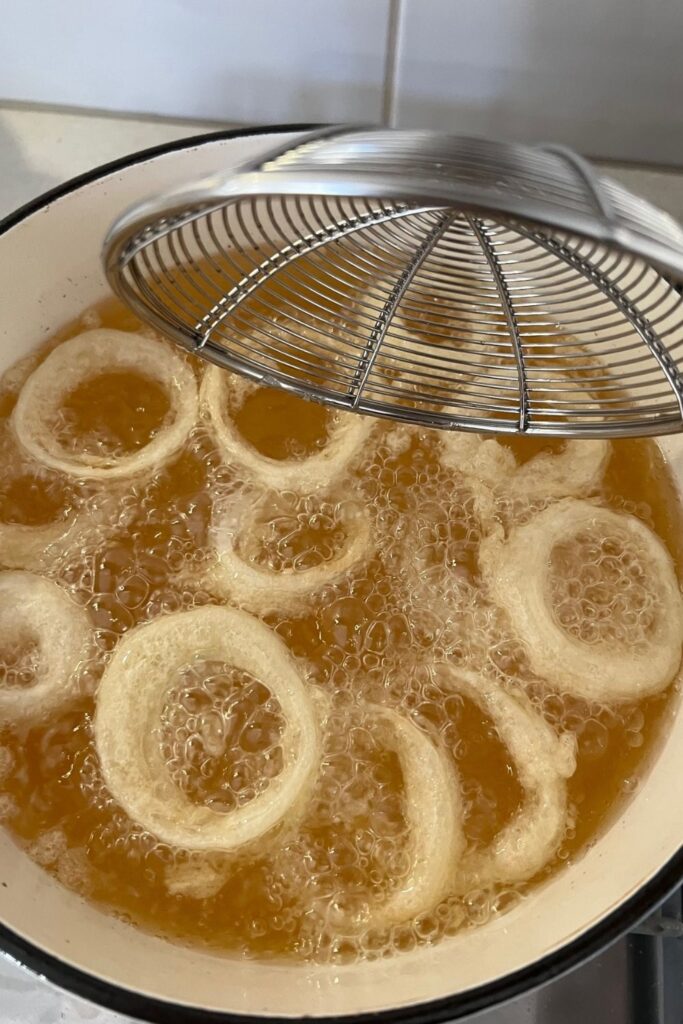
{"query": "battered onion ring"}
[(543, 762), (130, 702), (82, 358), (33, 608), (517, 572), (28, 547), (262, 590), (36, 547), (347, 433), (477, 456), (410, 359), (575, 472), (433, 814)]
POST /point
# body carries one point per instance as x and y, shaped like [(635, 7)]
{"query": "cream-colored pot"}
[(49, 272)]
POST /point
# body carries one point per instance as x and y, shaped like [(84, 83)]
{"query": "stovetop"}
[(638, 980)]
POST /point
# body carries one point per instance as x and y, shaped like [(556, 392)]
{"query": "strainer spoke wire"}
[(439, 280)]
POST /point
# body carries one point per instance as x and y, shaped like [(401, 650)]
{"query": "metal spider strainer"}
[(442, 280)]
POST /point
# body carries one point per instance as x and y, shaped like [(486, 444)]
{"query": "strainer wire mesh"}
[(425, 311)]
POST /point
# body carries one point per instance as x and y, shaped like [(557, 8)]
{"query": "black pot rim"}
[(449, 1008)]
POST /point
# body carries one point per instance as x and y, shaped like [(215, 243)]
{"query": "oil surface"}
[(366, 639)]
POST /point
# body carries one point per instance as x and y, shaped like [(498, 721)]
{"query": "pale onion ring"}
[(576, 472), (517, 572), (37, 609), (543, 761), (347, 434), (410, 358), (29, 547), (36, 547), (484, 463), (261, 590), (82, 358), (477, 456), (433, 815), (130, 702)]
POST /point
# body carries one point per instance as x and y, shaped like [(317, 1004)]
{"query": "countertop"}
[(38, 150)]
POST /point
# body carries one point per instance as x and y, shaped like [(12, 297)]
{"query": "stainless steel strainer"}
[(449, 281)]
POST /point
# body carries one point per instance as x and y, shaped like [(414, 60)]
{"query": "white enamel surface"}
[(49, 265)]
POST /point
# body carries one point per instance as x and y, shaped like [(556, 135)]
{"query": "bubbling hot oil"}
[(364, 639)]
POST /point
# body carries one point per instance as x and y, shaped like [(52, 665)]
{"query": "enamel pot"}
[(49, 273)]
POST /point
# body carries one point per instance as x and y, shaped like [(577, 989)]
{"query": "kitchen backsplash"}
[(604, 76)]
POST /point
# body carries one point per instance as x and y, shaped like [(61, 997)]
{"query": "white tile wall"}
[(235, 60), (605, 76)]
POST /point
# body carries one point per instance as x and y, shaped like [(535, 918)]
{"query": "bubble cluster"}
[(19, 661), (220, 734), (601, 591), (349, 850), (292, 531)]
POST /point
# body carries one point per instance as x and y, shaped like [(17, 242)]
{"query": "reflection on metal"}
[(441, 280)]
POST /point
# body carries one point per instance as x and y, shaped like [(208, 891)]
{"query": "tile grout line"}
[(393, 40)]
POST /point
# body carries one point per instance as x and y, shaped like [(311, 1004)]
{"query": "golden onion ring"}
[(346, 436), (518, 575), (130, 702), (36, 610), (82, 358), (262, 590), (433, 816), (543, 762)]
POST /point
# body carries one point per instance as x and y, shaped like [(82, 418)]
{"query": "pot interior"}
[(49, 273)]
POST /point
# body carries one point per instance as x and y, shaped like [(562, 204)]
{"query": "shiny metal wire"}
[(448, 282)]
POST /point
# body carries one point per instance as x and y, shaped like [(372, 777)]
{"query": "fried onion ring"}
[(130, 702), (518, 574), (82, 358), (347, 434), (262, 590), (433, 815), (37, 611), (543, 761), (419, 352)]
